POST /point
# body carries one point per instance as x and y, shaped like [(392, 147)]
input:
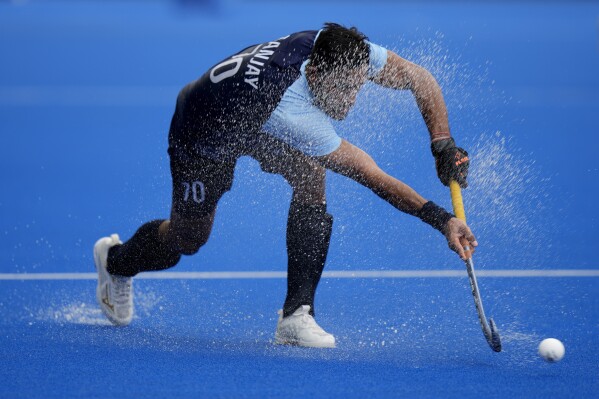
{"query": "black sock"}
[(145, 251), (308, 236)]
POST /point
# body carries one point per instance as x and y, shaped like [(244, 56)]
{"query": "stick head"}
[(495, 338)]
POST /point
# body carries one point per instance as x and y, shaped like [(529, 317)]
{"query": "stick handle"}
[(458, 210), (457, 201)]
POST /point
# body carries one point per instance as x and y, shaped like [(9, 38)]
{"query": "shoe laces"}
[(121, 289)]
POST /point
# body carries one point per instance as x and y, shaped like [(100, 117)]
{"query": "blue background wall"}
[(87, 91)]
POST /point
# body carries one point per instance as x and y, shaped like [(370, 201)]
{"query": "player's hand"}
[(452, 162), (458, 236)]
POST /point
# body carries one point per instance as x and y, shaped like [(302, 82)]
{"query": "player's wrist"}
[(435, 216), (440, 135), (438, 146)]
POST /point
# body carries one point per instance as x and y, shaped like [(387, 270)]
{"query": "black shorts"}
[(198, 184), (200, 181)]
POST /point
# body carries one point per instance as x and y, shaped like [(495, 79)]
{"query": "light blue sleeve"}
[(299, 123), (378, 59)]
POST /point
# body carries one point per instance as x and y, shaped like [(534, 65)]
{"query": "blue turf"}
[(86, 94), (417, 337)]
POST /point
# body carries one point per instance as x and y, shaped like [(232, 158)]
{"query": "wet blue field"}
[(396, 337)]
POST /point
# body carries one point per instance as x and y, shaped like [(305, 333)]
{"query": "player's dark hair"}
[(338, 46)]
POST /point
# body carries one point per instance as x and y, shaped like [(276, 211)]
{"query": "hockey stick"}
[(489, 329)]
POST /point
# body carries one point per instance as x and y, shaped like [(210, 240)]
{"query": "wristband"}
[(434, 215), (438, 136)]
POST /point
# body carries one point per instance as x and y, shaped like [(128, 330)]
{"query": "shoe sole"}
[(293, 342)]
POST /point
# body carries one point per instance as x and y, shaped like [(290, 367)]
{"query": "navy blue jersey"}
[(230, 103)]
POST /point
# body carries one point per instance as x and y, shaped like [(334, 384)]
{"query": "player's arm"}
[(452, 162), (356, 164), (402, 74)]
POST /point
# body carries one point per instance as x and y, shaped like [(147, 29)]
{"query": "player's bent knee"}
[(309, 185), (191, 247), (172, 259), (190, 235)]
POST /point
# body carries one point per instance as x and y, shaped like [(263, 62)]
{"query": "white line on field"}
[(256, 275)]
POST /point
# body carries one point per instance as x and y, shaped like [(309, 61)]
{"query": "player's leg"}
[(159, 244), (308, 235), (309, 229), (149, 249)]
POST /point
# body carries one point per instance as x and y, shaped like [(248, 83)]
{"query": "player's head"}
[(338, 68)]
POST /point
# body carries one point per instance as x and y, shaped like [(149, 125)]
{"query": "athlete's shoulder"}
[(303, 38), (295, 48)]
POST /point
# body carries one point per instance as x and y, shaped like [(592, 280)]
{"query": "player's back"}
[(234, 98)]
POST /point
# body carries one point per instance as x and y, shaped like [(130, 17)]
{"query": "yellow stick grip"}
[(457, 201), (458, 210)]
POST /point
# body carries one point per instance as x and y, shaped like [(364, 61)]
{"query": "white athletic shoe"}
[(114, 293), (301, 329)]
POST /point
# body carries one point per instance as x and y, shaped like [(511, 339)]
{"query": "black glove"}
[(452, 162)]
